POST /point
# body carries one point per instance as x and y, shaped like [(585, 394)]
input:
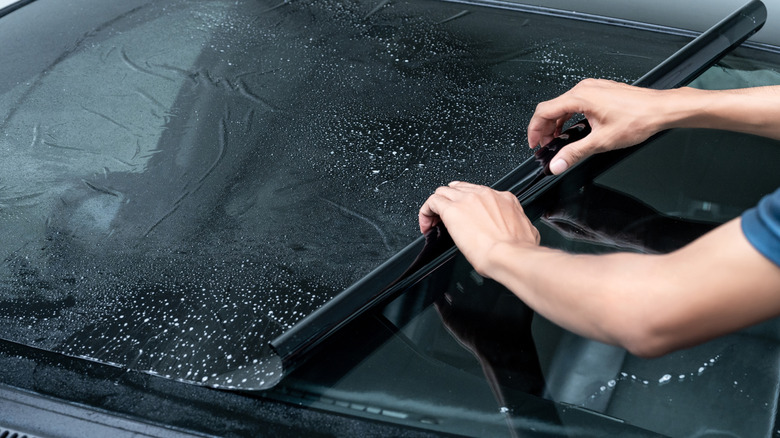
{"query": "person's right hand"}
[(620, 115), (478, 218)]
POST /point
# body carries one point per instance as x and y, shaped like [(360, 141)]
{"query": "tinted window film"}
[(464, 355), (182, 181), (683, 184)]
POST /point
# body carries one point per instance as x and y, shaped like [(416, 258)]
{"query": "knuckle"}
[(468, 196), (508, 196), (586, 83)]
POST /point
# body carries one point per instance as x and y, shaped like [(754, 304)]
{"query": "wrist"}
[(503, 258), (690, 108)]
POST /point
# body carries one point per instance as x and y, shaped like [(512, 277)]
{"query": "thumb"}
[(571, 155)]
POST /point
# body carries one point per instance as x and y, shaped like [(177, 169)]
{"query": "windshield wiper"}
[(528, 181)]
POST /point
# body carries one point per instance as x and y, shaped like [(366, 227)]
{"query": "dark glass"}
[(182, 181), (170, 179), (461, 354), (530, 182)]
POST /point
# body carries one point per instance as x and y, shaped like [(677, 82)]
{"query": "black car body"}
[(184, 181)]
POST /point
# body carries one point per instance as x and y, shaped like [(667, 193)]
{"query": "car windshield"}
[(465, 356), (183, 181)]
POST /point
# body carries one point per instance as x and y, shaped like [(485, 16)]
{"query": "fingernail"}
[(558, 166), (452, 183)]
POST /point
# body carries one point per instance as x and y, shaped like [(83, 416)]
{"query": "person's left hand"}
[(478, 218)]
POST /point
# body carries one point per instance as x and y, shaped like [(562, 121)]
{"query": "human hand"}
[(620, 115), (478, 218)]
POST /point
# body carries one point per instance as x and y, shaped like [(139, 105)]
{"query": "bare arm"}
[(649, 304), (622, 115)]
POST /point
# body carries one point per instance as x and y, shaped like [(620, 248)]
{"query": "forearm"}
[(594, 296), (649, 304), (749, 110)]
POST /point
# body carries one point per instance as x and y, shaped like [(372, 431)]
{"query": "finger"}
[(429, 214), (465, 186), (432, 210), (456, 191), (549, 117), (571, 155), (451, 190), (559, 124), (427, 222), (540, 131)]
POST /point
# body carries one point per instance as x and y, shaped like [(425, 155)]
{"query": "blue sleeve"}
[(761, 225)]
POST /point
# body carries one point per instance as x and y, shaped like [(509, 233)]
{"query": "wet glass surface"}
[(182, 181), (461, 354)]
